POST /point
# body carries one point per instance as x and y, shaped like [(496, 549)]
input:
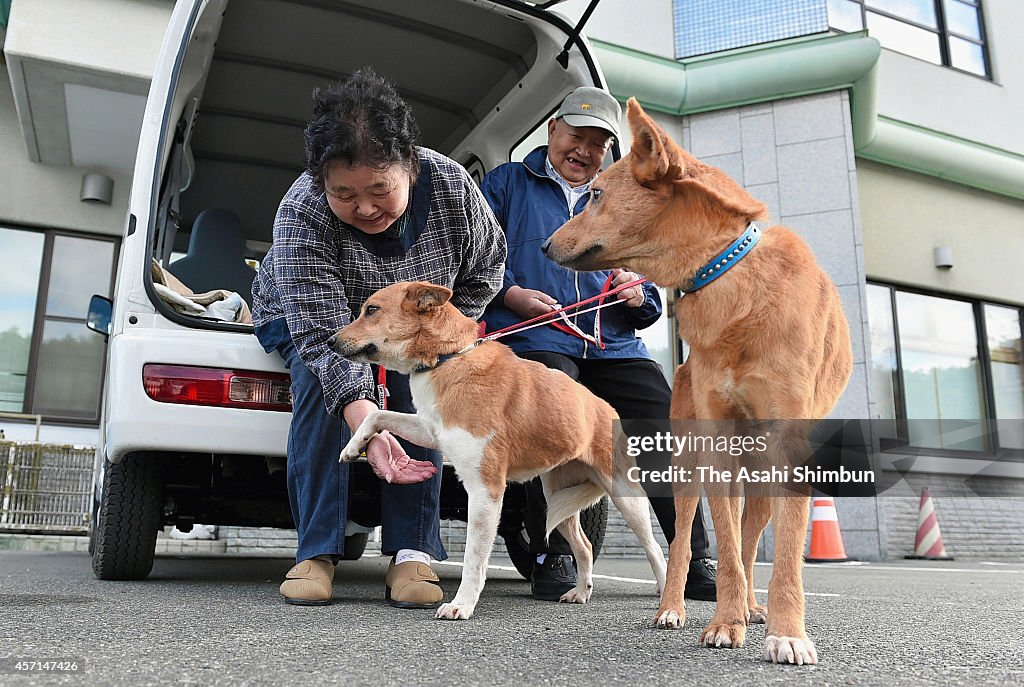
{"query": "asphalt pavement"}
[(219, 621)]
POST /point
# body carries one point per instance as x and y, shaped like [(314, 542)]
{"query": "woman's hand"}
[(392, 464), (529, 303)]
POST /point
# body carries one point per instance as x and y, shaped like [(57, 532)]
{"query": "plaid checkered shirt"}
[(319, 270)]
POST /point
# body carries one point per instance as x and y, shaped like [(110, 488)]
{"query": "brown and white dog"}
[(496, 417), (768, 341)]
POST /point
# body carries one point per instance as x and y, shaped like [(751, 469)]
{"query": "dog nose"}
[(333, 340), (544, 247)]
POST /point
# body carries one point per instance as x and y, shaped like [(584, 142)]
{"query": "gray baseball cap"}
[(589, 106)]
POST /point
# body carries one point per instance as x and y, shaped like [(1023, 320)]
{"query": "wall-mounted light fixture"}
[(943, 257), (97, 188)]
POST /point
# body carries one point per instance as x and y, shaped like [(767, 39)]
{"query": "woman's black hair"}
[(364, 121)]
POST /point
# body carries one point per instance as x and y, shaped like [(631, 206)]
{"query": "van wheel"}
[(355, 544), (593, 520), (92, 524), (124, 536)]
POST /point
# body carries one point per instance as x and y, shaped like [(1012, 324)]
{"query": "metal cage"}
[(46, 488)]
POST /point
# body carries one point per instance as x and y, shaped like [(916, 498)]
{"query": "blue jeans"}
[(319, 486)]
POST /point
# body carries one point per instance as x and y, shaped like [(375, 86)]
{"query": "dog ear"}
[(428, 296), (719, 189), (653, 156)]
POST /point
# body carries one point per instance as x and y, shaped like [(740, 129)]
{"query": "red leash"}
[(539, 321), (550, 317), (382, 387), (569, 327)]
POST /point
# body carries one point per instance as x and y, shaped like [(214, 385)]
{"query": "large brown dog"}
[(496, 417), (768, 340)]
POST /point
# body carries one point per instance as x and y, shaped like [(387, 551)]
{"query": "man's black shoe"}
[(554, 577), (700, 581)]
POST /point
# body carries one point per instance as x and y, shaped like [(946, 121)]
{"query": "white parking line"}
[(916, 568), (871, 566), (636, 580)]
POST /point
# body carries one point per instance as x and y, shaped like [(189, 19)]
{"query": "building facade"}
[(885, 132)]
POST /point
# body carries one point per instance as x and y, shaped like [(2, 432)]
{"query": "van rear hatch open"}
[(479, 76)]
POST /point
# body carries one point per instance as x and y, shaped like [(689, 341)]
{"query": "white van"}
[(195, 414)]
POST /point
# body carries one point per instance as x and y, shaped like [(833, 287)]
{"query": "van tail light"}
[(209, 386)]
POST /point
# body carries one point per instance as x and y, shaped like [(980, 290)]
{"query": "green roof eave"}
[(804, 66), (773, 71), (941, 155)]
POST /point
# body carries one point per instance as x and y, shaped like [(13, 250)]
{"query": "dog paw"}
[(758, 615), (669, 620), (575, 596), (796, 650), (349, 454), (724, 635), (454, 611), (354, 448)]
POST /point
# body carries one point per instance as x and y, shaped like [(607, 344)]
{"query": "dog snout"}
[(544, 247), (352, 350), (333, 340)]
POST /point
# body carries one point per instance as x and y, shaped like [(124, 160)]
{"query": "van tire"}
[(92, 524), (355, 545), (593, 520), (128, 517)]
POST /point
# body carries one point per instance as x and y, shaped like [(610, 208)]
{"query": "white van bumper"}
[(135, 422)]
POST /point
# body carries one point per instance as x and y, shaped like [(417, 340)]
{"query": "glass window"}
[(883, 350), (907, 39), (70, 360), (50, 363), (941, 370), (845, 15), (21, 259), (537, 137), (931, 375), (69, 372), (962, 19), (706, 26), (1003, 327), (79, 268), (917, 11), (967, 56), (946, 32)]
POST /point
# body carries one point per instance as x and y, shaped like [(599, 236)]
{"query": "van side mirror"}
[(100, 310)]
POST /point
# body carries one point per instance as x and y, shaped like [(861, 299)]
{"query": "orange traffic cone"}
[(826, 540), (928, 543)]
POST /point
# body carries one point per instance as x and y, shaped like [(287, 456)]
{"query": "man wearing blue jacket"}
[(531, 199)]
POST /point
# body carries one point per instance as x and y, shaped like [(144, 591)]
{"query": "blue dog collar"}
[(445, 357), (726, 259)]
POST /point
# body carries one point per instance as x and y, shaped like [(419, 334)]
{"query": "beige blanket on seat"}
[(218, 304)]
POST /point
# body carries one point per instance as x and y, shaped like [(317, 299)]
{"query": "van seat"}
[(216, 255)]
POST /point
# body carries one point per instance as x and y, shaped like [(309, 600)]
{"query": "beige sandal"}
[(309, 583)]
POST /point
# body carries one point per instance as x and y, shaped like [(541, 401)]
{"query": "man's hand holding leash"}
[(633, 296)]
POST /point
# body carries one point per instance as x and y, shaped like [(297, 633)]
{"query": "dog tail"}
[(567, 502)]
